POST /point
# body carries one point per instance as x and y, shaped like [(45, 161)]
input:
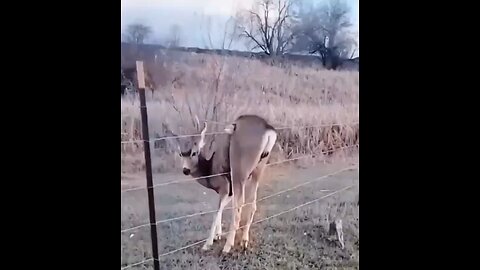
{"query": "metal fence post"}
[(148, 163)]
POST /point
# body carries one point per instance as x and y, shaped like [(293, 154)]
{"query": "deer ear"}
[(179, 150), (201, 143), (170, 133)]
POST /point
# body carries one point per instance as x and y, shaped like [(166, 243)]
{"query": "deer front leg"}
[(218, 230), (224, 199), (218, 227), (339, 229)]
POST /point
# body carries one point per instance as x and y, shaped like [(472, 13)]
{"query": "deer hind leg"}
[(251, 193), (238, 181)]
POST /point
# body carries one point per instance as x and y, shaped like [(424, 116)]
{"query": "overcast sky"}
[(191, 16)]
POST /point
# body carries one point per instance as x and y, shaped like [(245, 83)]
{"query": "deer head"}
[(190, 149)]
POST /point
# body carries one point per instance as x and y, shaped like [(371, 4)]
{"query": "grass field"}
[(295, 240), (220, 89)]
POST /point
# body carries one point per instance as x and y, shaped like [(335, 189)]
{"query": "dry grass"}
[(220, 89)]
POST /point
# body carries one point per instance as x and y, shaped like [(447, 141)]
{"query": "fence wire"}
[(225, 173), (138, 263), (259, 200), (287, 127), (262, 220), (241, 227), (223, 132)]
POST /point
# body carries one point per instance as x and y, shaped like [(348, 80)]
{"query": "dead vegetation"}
[(220, 88)]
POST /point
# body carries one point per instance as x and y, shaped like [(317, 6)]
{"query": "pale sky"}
[(191, 16)]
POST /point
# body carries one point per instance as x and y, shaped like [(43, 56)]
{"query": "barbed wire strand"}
[(215, 122), (286, 127), (174, 182), (186, 136), (310, 155), (263, 219), (259, 200), (325, 125), (136, 227), (175, 137), (223, 132), (135, 264), (219, 174), (132, 141)]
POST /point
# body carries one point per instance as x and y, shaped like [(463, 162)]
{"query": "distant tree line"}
[(278, 27)]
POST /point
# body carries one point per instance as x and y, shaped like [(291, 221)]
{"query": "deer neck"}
[(204, 166), (205, 169)]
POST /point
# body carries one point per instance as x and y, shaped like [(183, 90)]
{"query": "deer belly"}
[(207, 182)]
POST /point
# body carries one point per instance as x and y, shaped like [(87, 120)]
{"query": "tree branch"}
[(247, 34), (268, 41)]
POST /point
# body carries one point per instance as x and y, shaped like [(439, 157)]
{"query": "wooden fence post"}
[(148, 163)]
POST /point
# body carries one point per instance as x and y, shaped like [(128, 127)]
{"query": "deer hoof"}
[(244, 244), (218, 237), (206, 247), (226, 249)]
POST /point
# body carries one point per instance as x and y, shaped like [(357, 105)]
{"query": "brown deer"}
[(241, 154)]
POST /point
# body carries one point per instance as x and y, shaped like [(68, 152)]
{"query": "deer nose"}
[(186, 171)]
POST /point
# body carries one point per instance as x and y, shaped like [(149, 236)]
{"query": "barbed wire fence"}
[(150, 186)]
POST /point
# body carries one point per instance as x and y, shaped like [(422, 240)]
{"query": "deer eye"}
[(194, 154)]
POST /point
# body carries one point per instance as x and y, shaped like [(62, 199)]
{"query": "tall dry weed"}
[(220, 89)]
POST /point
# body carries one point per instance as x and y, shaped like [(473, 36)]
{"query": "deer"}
[(240, 156)]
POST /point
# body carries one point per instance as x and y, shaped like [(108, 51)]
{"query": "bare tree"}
[(174, 38), (229, 33), (137, 33), (325, 30), (334, 19), (268, 25), (225, 33)]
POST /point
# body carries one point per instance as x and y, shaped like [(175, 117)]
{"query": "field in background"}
[(220, 89)]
